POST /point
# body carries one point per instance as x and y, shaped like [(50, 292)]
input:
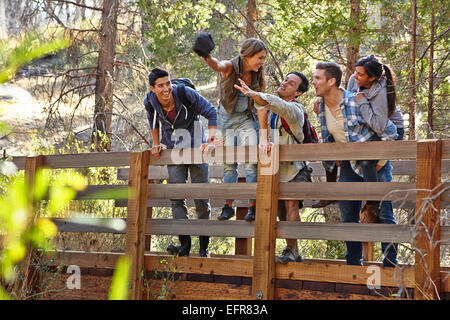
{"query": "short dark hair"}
[(332, 70), (156, 73), (304, 83)]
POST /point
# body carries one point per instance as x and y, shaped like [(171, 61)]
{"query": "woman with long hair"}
[(237, 117), (375, 82)]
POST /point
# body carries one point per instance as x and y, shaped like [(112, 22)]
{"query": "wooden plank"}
[(410, 204), (446, 149), (19, 161), (347, 190), (309, 152), (427, 218), (225, 266), (311, 270), (136, 219), (394, 191), (194, 290), (31, 276), (399, 167), (242, 229), (202, 191), (349, 151), (228, 228), (263, 284), (242, 246)]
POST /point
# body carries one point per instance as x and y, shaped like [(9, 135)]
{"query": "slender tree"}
[(251, 15), (354, 37), (431, 74), (105, 74), (412, 73)]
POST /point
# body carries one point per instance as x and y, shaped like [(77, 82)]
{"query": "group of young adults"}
[(247, 116)]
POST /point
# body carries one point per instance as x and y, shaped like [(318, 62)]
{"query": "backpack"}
[(181, 83), (309, 133)]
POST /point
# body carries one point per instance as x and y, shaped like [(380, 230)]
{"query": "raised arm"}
[(223, 66)]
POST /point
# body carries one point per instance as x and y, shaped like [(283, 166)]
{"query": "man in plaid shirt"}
[(341, 121)]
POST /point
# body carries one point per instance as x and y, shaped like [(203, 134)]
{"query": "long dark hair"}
[(249, 48), (374, 68)]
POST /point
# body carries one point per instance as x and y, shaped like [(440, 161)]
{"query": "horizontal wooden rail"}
[(308, 152), (242, 229), (399, 167), (400, 204), (388, 191), (312, 269)]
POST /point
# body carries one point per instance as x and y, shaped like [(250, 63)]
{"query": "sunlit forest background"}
[(88, 96)]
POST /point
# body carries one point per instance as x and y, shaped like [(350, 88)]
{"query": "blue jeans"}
[(387, 212), (199, 174), (387, 216), (350, 213), (238, 129)]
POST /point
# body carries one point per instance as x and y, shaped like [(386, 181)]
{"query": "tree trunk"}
[(251, 15), (431, 76), (412, 74), (354, 34), (105, 76)]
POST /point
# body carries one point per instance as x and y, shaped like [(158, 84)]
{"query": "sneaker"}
[(227, 213), (204, 253), (177, 251), (288, 256), (322, 203), (250, 216)]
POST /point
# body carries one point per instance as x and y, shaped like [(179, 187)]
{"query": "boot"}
[(369, 213), (204, 241), (250, 216), (182, 250)]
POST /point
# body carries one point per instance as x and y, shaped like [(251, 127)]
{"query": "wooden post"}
[(148, 238), (265, 226), (31, 275), (427, 220), (368, 251), (242, 246), (137, 220)]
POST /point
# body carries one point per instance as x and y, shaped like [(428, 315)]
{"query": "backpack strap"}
[(183, 96)]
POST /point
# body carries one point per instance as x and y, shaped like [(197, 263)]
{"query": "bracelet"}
[(158, 145), (211, 139)]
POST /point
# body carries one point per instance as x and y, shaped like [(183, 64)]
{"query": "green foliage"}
[(27, 50), (17, 219), (119, 283)]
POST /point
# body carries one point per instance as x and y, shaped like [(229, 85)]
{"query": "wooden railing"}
[(431, 159)]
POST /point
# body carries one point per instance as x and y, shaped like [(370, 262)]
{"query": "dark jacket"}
[(187, 130)]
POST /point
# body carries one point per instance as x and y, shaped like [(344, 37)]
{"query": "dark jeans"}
[(199, 174)]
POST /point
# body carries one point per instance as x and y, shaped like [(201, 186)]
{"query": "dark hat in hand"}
[(204, 44)]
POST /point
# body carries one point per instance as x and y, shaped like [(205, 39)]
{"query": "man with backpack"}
[(289, 118), (175, 109)]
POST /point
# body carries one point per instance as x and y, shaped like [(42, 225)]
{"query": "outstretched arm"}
[(250, 93), (224, 66)]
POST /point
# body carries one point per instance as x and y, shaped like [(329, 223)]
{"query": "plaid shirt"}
[(355, 127)]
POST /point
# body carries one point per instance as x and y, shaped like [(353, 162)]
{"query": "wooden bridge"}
[(252, 273)]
